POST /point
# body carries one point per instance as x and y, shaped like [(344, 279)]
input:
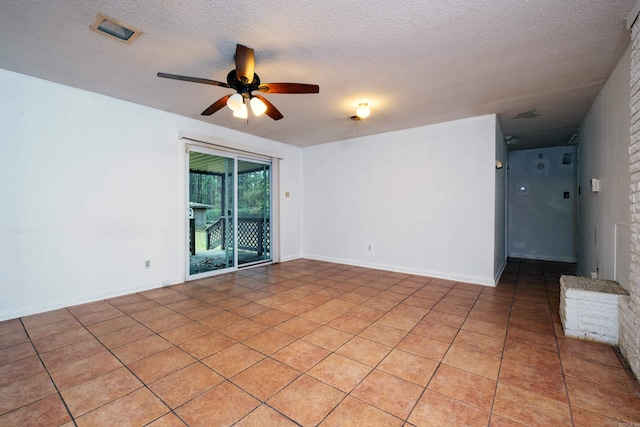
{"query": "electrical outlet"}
[(147, 263), (594, 274)]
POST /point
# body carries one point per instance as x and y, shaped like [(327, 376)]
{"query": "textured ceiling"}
[(416, 62)]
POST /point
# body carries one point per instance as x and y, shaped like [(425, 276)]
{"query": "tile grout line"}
[(528, 280), (628, 371), (171, 410), (197, 360), (85, 327), (440, 362), (264, 402), (124, 365), (334, 352), (144, 385), (426, 387), (555, 336), (226, 380), (381, 360), (504, 346), (219, 373), (48, 374), (163, 305), (354, 336)]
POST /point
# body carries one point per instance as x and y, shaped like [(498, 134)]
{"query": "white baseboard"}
[(290, 257), (544, 257), (476, 280), (27, 311)]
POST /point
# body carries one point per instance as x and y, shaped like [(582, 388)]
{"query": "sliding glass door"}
[(229, 212), (254, 211), (211, 212)]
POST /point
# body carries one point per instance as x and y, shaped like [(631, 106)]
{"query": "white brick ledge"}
[(589, 308)]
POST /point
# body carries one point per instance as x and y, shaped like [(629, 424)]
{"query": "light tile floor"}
[(308, 343)]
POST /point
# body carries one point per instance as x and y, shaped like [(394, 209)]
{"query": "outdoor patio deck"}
[(215, 259)]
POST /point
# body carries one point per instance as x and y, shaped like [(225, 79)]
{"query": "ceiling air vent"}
[(115, 29)]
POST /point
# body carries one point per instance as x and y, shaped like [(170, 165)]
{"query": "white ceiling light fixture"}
[(238, 105), (115, 29), (257, 106), (363, 111), (242, 112), (235, 102)]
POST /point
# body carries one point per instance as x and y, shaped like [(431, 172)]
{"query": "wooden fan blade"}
[(193, 79), (245, 63), (289, 88), (272, 111), (216, 106)]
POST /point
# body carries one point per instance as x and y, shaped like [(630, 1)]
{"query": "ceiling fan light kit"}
[(257, 106), (235, 102), (244, 81), (242, 112), (363, 111)]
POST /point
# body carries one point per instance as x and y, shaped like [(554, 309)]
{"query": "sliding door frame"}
[(203, 145)]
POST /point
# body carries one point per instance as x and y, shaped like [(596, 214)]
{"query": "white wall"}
[(500, 225), (91, 186), (542, 223), (423, 199), (604, 154)]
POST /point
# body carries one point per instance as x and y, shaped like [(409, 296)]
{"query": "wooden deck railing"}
[(253, 234)]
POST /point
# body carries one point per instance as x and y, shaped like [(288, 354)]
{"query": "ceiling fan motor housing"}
[(242, 88)]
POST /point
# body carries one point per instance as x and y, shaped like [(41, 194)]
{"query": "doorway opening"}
[(543, 204)]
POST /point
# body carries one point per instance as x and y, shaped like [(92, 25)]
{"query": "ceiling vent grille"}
[(115, 29)]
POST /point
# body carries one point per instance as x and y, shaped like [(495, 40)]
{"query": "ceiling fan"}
[(245, 81)]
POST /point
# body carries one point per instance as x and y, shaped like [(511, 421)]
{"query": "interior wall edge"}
[(499, 272)]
